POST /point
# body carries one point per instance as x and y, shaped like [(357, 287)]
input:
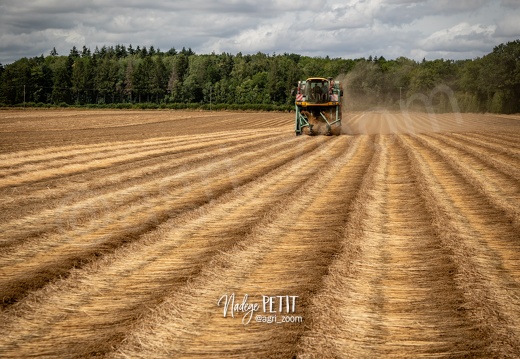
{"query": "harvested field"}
[(127, 234)]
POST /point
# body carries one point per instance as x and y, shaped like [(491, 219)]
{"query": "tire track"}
[(145, 272), (289, 255), (391, 291), (483, 245)]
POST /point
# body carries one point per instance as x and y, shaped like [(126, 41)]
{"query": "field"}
[(125, 234)]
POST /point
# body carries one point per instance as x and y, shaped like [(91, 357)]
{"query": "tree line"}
[(120, 76)]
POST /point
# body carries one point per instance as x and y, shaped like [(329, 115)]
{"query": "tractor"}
[(318, 106)]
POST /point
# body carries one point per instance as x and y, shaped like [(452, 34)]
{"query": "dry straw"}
[(461, 217), (143, 273), (500, 190), (398, 246), (76, 201), (184, 191)]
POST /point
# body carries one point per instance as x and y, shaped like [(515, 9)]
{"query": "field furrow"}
[(34, 197), (85, 196), (488, 144), (391, 290), (287, 257), (60, 156), (160, 234), (505, 163), (15, 160), (53, 255), (483, 242), (509, 139), (430, 122), (388, 122), (173, 254), (501, 190), (44, 171), (493, 123)]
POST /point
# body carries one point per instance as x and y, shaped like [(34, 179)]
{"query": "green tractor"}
[(318, 106)]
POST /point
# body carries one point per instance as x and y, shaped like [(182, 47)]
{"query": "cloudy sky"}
[(453, 29)]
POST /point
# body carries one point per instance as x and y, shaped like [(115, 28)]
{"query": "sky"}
[(417, 29)]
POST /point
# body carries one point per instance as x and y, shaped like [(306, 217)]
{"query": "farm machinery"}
[(318, 106)]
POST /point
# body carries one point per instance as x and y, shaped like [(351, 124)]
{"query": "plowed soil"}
[(125, 234)]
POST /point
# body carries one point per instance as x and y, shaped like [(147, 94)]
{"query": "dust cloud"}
[(361, 115)]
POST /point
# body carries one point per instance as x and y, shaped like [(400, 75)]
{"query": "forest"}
[(126, 77)]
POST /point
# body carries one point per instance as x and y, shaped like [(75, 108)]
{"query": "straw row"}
[(51, 255), (43, 171), (104, 299), (489, 143), (288, 256), (496, 161), (500, 190), (78, 200), (390, 292), (479, 239)]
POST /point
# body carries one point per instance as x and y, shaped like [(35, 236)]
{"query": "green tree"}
[(41, 80), (500, 78), (85, 52), (119, 74), (61, 68), (142, 79), (159, 79), (202, 74), (16, 78), (83, 80), (128, 85), (282, 76), (178, 72), (106, 80)]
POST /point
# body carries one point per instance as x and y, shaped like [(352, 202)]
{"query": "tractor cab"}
[(317, 90), (318, 102)]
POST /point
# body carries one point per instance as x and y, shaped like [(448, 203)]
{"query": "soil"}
[(126, 234)]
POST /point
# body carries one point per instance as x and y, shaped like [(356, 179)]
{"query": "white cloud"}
[(352, 15), (511, 3), (463, 6), (349, 28), (509, 27), (463, 37)]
